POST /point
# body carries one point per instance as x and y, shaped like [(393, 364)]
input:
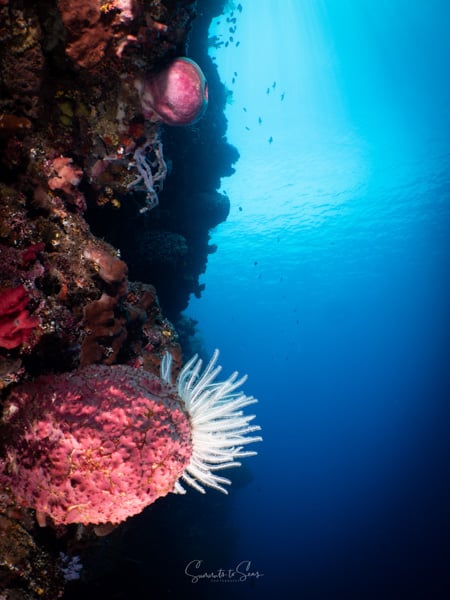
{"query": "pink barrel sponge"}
[(99, 444), (96, 445), (177, 95)]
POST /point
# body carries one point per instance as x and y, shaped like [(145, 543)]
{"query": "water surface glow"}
[(331, 289)]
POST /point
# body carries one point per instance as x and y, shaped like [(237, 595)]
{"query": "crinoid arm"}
[(220, 429)]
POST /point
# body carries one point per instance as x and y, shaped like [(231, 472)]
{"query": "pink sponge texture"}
[(177, 95), (96, 445)]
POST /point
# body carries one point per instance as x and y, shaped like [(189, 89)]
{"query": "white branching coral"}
[(150, 164), (220, 430)]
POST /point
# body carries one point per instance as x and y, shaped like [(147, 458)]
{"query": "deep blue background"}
[(330, 288)]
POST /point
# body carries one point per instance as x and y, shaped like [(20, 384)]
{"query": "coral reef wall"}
[(105, 211), (169, 246)]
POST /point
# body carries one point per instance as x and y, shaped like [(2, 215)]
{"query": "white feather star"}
[(219, 427)]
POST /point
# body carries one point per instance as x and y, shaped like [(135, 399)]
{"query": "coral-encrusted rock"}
[(26, 568), (94, 446), (88, 36)]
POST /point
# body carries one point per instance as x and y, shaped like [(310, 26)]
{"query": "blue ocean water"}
[(331, 289)]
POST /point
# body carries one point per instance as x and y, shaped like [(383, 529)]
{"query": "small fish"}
[(268, 91), (282, 97), (226, 44), (244, 109), (233, 80), (214, 42), (270, 139), (247, 128), (239, 7), (274, 84), (235, 73), (259, 120), (231, 38), (240, 208), (237, 44)]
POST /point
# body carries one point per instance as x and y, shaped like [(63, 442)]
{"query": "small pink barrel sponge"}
[(177, 95), (96, 445)]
